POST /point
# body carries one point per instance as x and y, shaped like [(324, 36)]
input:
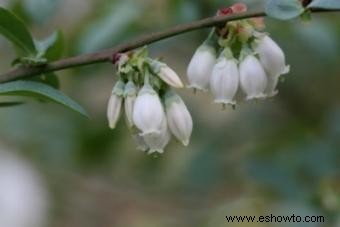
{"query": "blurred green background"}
[(278, 155)]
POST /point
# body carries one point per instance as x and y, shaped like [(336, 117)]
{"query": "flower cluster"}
[(238, 61), (154, 112)]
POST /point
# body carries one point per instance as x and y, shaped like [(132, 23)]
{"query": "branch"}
[(106, 55)]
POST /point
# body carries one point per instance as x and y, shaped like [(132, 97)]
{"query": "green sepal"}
[(118, 89), (245, 51), (227, 53), (130, 89), (170, 97)]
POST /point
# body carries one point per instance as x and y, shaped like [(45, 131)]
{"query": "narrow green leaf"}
[(284, 9), (10, 104), (51, 79), (325, 4), (41, 91), (52, 47), (15, 31)]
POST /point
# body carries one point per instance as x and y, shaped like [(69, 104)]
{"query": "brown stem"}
[(106, 55)]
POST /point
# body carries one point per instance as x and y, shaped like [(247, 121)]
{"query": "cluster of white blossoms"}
[(238, 61), (154, 112)]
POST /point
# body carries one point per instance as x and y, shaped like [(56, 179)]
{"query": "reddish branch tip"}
[(116, 57), (224, 11), (239, 8), (234, 9)]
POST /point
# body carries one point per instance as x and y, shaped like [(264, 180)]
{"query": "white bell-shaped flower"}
[(167, 74), (179, 118), (115, 104), (253, 78), (224, 81), (200, 67), (148, 111), (156, 142), (271, 56), (130, 94), (273, 60)]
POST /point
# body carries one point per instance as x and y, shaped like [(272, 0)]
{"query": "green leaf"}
[(284, 9), (10, 104), (15, 31), (52, 47), (325, 4), (51, 79), (41, 91)]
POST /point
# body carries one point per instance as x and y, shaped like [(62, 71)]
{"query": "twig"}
[(106, 55)]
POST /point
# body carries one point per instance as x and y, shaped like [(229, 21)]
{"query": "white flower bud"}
[(115, 103), (200, 67), (271, 56), (179, 118), (168, 75), (224, 81), (148, 111), (130, 94), (253, 78), (158, 141)]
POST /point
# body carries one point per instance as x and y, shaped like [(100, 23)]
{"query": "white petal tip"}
[(225, 102), (197, 87), (112, 125), (155, 151), (272, 94), (185, 142), (150, 133), (170, 77), (257, 96), (181, 85), (177, 85), (286, 70)]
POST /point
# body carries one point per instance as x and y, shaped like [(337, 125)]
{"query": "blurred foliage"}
[(280, 155)]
